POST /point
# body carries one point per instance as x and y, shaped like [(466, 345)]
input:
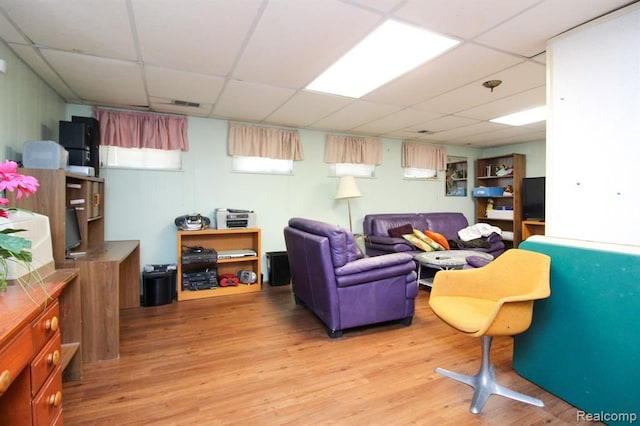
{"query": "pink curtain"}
[(423, 156), (352, 149), (268, 142), (142, 130)]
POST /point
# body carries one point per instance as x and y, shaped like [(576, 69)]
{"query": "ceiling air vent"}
[(186, 104)]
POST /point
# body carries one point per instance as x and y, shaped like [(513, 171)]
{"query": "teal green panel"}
[(584, 342)]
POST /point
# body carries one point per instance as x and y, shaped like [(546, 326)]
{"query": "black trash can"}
[(158, 285), (278, 268)]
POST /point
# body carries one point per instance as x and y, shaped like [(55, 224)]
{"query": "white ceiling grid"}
[(250, 60)]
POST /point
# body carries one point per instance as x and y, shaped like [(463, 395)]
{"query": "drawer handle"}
[(54, 358), (51, 324), (55, 399), (5, 380)]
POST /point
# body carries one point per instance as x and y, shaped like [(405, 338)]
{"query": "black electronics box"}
[(158, 285), (278, 268)]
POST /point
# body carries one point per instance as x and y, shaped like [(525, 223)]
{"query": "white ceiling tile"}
[(8, 32), (526, 34), (194, 35), (455, 68), (378, 5), (38, 65), (306, 107), (97, 28), (516, 79), (184, 86), (396, 121), (246, 101), (516, 103), (295, 41), (445, 123), (120, 82), (354, 115), (461, 18)]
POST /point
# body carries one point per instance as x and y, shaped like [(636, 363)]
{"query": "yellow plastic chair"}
[(495, 300)]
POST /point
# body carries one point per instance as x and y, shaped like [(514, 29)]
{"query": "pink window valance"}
[(352, 149), (268, 142), (127, 129), (424, 156)]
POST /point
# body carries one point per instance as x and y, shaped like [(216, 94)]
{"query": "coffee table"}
[(445, 259)]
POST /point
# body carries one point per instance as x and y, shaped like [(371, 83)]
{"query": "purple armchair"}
[(345, 289)]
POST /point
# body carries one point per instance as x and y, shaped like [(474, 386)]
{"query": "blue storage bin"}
[(488, 191)]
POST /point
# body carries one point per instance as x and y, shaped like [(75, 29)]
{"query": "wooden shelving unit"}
[(58, 190), (487, 177), (221, 239)]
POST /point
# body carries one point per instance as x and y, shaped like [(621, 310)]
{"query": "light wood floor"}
[(260, 359)]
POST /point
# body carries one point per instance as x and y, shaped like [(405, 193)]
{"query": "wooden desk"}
[(110, 281)]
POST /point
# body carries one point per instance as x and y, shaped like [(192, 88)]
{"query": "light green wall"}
[(29, 109), (143, 204)]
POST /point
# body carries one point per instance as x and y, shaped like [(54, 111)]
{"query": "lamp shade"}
[(347, 188)]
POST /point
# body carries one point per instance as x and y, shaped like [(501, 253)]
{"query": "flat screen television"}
[(72, 238), (533, 190)]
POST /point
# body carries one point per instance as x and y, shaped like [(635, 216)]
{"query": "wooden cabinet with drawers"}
[(35, 350)]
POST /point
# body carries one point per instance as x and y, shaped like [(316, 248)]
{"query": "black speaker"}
[(278, 267), (92, 135), (73, 135), (79, 157), (80, 135)]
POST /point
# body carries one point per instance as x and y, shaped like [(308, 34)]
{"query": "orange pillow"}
[(438, 238)]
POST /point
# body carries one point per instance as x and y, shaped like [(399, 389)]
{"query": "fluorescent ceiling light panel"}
[(391, 50), (523, 117)]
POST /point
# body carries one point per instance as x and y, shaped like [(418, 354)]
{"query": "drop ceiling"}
[(250, 60)]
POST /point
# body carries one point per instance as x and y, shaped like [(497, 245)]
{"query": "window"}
[(262, 165), (352, 169), (140, 158), (418, 173)]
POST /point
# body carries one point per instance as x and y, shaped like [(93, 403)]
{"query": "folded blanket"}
[(477, 231)]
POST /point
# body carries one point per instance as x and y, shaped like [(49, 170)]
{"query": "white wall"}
[(593, 145)]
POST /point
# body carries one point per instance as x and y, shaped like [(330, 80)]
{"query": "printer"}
[(235, 218)]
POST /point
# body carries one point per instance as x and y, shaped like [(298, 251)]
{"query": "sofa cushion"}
[(438, 238), (417, 242), (434, 245), (399, 231)]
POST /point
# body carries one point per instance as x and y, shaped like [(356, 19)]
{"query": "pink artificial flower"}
[(11, 180)]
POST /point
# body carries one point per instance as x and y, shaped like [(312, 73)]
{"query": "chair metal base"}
[(484, 382)]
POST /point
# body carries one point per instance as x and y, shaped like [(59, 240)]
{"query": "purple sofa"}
[(376, 230), (344, 288)]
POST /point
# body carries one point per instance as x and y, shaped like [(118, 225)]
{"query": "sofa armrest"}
[(374, 268)]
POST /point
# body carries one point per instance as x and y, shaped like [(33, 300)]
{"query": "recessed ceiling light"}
[(523, 117), (391, 50)]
